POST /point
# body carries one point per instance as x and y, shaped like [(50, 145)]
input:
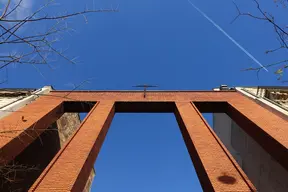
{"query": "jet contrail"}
[(228, 36)]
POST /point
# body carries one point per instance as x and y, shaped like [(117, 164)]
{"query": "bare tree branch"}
[(281, 32), (59, 17), (269, 65), (5, 10), (36, 47)]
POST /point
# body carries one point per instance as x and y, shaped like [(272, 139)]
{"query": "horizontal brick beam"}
[(74, 162), (215, 167), (131, 96)]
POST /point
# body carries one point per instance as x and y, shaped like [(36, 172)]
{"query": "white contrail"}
[(228, 36)]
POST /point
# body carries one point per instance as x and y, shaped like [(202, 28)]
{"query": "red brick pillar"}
[(70, 168), (22, 127), (264, 126), (215, 167)]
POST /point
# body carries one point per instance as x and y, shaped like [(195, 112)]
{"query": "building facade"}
[(262, 169)]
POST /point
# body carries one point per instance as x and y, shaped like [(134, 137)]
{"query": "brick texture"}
[(215, 169), (266, 128), (150, 96), (79, 153), (67, 124), (21, 128)]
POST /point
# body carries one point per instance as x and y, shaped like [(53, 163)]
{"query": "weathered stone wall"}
[(67, 125), (255, 91), (279, 96)]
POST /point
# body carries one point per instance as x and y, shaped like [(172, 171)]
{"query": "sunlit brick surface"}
[(79, 154), (222, 173)]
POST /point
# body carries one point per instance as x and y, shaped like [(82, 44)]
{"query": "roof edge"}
[(139, 91)]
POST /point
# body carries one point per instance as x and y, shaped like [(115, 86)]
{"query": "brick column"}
[(20, 128), (215, 168), (269, 130), (70, 168)]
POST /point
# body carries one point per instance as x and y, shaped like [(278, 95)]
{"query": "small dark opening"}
[(78, 107), (211, 107)]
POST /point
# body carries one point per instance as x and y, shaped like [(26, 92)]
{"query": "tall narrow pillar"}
[(70, 168), (216, 169), (266, 128)]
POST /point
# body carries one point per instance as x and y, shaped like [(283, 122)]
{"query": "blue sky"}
[(167, 43)]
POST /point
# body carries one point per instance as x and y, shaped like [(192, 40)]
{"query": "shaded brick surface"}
[(24, 126), (29, 164)]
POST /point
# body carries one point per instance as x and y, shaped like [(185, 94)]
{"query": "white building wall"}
[(10, 104), (4, 101), (222, 127)]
